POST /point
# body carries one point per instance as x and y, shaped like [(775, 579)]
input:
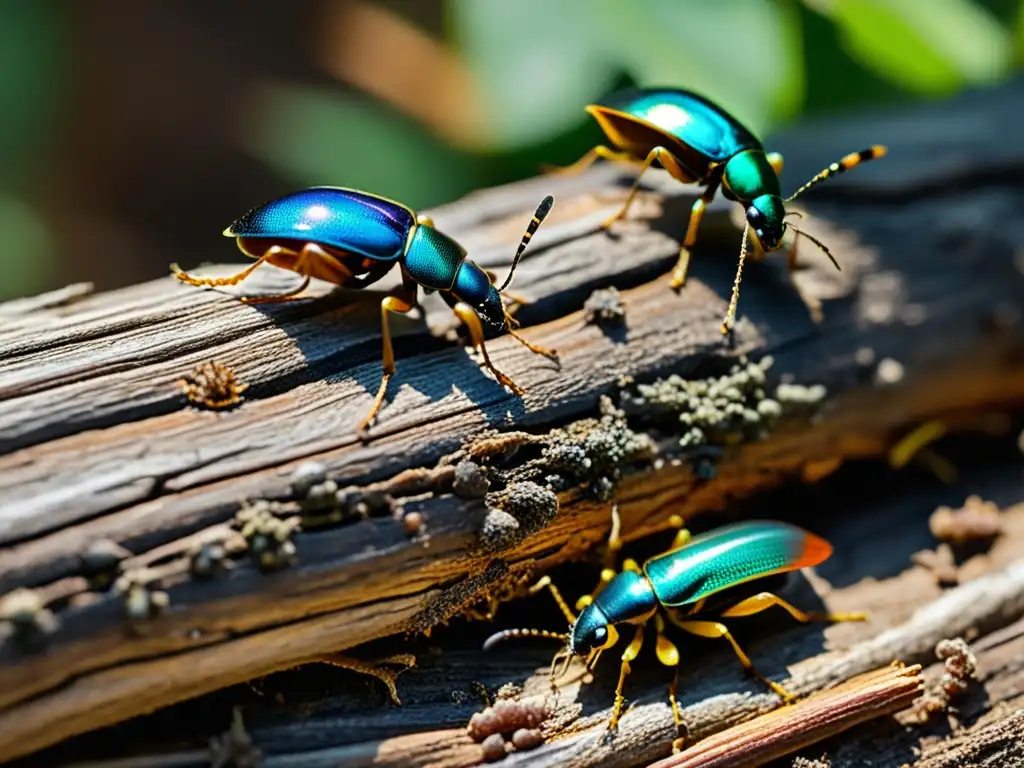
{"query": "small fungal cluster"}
[(101, 563), (471, 481), (268, 537), (960, 666), (141, 600), (508, 725), (976, 521), (604, 307), (806, 762), (208, 560), (235, 746), (595, 452), (212, 385), (724, 410), (590, 453), (962, 533), (322, 503), (25, 616), (514, 513)]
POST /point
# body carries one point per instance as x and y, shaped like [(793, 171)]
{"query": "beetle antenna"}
[(542, 211), (506, 634), (793, 213), (852, 160), (820, 245), (735, 298)]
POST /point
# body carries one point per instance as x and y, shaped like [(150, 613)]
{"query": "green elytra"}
[(675, 586), (698, 142)]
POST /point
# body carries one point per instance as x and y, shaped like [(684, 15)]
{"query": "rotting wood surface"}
[(99, 443), (316, 717)]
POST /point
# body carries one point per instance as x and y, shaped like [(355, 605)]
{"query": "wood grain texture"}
[(323, 717), (98, 443)]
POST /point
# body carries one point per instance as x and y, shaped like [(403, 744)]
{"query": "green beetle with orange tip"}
[(693, 585)]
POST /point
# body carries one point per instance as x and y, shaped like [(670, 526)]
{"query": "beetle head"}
[(492, 313), (766, 216), (592, 632)]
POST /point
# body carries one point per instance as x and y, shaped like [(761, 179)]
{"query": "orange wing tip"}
[(816, 550)]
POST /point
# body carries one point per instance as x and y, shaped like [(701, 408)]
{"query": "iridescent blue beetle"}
[(352, 239), (697, 141), (695, 583)]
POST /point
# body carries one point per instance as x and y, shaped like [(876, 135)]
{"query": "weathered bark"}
[(319, 717), (100, 444)]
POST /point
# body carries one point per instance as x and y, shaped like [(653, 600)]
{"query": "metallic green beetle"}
[(677, 586), (698, 142)]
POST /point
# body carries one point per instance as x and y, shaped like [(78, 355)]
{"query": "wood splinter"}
[(822, 715)]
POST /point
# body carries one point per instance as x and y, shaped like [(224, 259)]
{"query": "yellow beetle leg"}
[(765, 600), (717, 629), (696, 214), (627, 656), (607, 153)]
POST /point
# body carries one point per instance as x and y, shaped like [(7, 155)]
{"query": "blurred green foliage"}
[(28, 98), (535, 63)]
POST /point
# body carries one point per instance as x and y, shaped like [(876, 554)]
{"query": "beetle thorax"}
[(628, 598), (748, 175)]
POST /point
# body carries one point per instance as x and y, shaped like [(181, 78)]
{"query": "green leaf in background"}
[(28, 259), (323, 137), (931, 47), (745, 54), (1019, 41), (536, 63), (29, 81)]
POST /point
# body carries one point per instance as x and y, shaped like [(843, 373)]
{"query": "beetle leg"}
[(668, 655), (288, 296), (309, 251), (627, 656), (546, 582), (717, 629), (550, 354), (611, 554), (653, 155), (471, 320), (401, 304), (682, 537), (588, 160), (232, 280), (765, 600), (696, 215)]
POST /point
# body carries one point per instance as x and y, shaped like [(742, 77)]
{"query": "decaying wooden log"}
[(316, 717), (104, 461)]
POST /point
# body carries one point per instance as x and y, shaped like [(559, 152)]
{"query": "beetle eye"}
[(755, 218), (600, 637)]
